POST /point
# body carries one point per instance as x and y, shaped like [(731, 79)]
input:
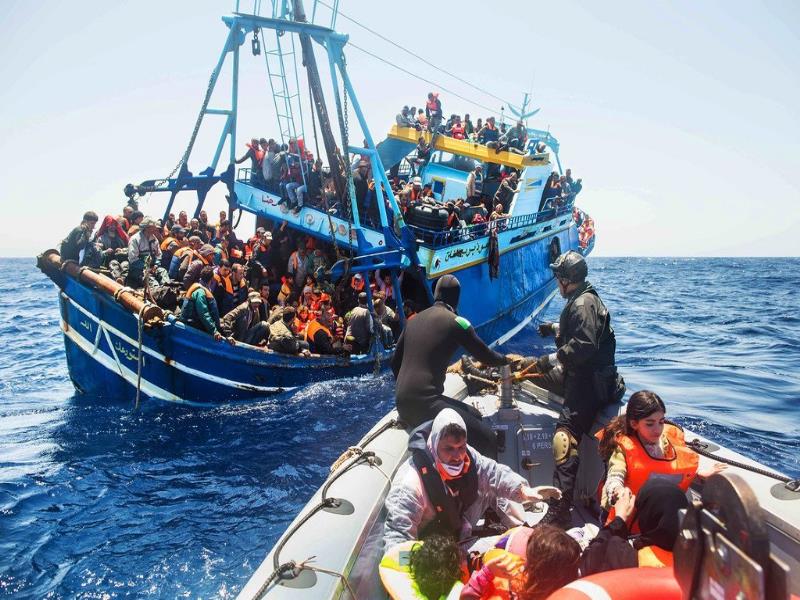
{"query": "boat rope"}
[(417, 56), (490, 111), (139, 357), (291, 569), (305, 565), (700, 447), (121, 291)]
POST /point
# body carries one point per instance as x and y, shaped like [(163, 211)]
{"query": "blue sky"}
[(682, 118)]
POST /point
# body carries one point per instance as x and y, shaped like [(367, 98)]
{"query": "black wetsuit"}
[(586, 346), (425, 349)]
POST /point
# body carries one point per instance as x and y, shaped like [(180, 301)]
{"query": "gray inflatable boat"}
[(334, 546)]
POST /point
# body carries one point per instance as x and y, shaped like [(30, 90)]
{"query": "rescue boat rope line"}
[(792, 485), (291, 569), (417, 56)]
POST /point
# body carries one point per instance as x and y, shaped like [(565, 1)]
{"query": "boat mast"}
[(335, 159)]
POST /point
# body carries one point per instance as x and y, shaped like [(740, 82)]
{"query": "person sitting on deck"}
[(421, 119), (227, 292), (244, 323), (199, 307), (488, 133), (143, 245), (183, 257), (320, 335), (360, 327), (125, 218), (428, 568), (404, 119), (200, 259), (532, 564), (456, 130), (312, 188), (111, 246), (423, 353), (282, 335), (656, 509), (176, 239), (498, 215), (469, 128), (514, 139), (641, 444), (446, 485), (135, 221)]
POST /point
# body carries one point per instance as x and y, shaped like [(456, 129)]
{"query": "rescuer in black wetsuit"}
[(425, 349), (581, 370)]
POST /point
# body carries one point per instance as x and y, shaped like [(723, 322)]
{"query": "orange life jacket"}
[(313, 327), (194, 287), (259, 152), (182, 251), (653, 556), (226, 281), (678, 465)]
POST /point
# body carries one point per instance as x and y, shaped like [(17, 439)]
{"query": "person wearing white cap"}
[(141, 245), (446, 485)]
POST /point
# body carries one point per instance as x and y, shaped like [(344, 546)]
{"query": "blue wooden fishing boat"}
[(119, 344)]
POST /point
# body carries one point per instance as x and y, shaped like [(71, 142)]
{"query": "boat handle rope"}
[(793, 485), (140, 328), (291, 569)]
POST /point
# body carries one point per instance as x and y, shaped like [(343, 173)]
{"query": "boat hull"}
[(181, 364)]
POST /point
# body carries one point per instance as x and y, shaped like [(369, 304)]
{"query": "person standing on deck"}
[(582, 370), (425, 349), (77, 239)]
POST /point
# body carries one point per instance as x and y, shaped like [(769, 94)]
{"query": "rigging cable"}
[(417, 56), (491, 111)]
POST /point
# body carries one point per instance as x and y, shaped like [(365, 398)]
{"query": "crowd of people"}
[(461, 515), (291, 172), (269, 291)]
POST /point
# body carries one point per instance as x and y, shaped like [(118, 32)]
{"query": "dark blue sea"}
[(98, 500)]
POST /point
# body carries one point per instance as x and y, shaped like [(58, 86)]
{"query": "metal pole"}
[(334, 156)]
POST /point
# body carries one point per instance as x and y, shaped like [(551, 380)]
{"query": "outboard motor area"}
[(723, 549)]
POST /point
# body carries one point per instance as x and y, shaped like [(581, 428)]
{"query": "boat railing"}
[(437, 238)]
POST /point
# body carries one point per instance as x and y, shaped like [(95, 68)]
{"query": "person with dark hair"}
[(656, 511), (581, 370), (550, 562), (447, 485), (282, 336), (198, 261), (360, 327), (77, 239), (199, 307), (244, 323), (424, 350), (433, 111), (431, 569), (641, 444)]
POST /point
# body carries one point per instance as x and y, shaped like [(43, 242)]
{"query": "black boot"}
[(558, 514)]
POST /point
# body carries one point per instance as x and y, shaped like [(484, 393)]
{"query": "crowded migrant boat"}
[(273, 289)]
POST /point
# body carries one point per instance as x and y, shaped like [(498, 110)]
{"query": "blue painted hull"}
[(183, 365)]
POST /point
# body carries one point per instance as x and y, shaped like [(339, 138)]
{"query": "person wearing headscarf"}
[(656, 510), (426, 347), (446, 485)]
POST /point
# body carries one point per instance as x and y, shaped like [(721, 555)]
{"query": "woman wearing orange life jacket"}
[(641, 445)]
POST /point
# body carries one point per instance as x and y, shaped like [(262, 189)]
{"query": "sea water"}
[(98, 500)]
